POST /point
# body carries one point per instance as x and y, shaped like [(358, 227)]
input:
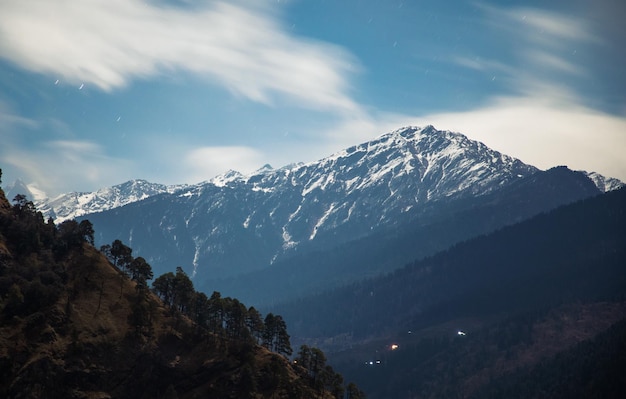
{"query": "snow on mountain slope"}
[(374, 183), (445, 163), (72, 205), (236, 223), (604, 184)]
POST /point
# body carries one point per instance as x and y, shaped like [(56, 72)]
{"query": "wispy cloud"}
[(108, 43), (532, 44), (10, 120), (542, 124), (540, 26), (545, 128), (550, 61), (481, 64), (199, 164), (61, 165), (547, 27)]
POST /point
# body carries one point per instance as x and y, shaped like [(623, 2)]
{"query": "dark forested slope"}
[(572, 253), (383, 251), (523, 298), (73, 325)]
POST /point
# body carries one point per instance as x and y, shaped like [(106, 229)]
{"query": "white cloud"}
[(549, 27), (532, 44), (200, 164), (548, 60), (107, 43), (480, 64), (541, 131), (538, 25), (10, 120), (542, 123), (64, 165)]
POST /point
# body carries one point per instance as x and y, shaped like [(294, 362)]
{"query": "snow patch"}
[(321, 220)]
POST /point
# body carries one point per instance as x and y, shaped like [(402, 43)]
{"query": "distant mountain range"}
[(412, 182), (75, 204)]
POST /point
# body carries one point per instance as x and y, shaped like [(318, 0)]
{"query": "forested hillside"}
[(79, 323), (520, 296)]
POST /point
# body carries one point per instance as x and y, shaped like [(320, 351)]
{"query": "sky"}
[(97, 92)]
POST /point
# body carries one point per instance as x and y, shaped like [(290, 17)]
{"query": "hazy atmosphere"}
[(93, 93)]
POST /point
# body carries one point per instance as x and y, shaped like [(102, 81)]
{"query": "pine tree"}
[(255, 323), (140, 270), (183, 290), (121, 255)]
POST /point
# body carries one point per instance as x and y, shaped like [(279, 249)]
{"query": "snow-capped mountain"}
[(235, 224), (31, 191), (72, 205), (76, 204), (376, 183), (604, 184)]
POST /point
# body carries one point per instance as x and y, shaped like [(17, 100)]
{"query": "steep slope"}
[(30, 191), (576, 251), (410, 181), (392, 248), (522, 296), (74, 326), (571, 351), (604, 184), (247, 223), (591, 369)]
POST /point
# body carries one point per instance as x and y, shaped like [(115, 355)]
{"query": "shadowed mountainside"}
[(523, 296)]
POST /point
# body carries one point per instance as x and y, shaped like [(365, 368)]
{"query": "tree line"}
[(225, 317), (230, 319)]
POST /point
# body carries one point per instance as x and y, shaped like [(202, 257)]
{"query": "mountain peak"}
[(31, 191), (225, 178), (604, 184), (265, 168)]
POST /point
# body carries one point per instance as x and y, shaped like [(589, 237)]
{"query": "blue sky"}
[(97, 92)]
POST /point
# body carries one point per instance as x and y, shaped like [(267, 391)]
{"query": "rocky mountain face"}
[(388, 154), (604, 184), (441, 225), (73, 205), (236, 224)]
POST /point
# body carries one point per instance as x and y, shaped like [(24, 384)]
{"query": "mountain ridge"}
[(75, 204), (235, 224), (344, 196)]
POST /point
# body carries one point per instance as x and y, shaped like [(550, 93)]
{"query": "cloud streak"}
[(536, 44), (203, 162), (108, 43), (60, 164), (544, 135)]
